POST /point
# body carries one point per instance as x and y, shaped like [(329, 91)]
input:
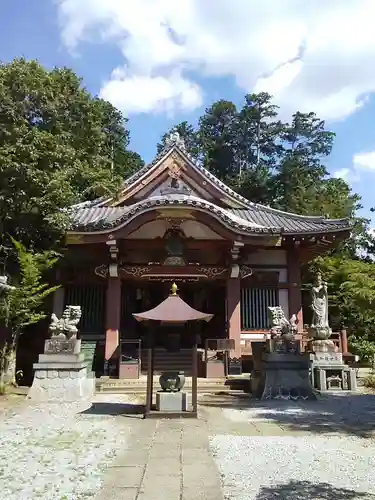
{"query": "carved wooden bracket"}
[(245, 272), (102, 271)]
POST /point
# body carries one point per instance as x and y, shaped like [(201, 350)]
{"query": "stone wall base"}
[(59, 381)]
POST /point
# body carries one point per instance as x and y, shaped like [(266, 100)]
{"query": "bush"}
[(369, 381)]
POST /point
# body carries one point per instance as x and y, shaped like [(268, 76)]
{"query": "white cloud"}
[(362, 162), (347, 174), (310, 55), (144, 93)]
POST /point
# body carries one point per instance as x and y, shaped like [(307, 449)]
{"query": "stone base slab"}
[(62, 389), (61, 358), (171, 401)]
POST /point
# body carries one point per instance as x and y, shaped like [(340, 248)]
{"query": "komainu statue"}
[(66, 326), (282, 329)]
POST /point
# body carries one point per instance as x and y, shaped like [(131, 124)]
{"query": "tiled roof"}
[(291, 223), (107, 218), (253, 220), (95, 218)]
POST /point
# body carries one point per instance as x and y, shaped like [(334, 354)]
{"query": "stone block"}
[(321, 379), (171, 401), (352, 380), (67, 384), (61, 389), (59, 361), (328, 357), (287, 376), (325, 376), (61, 345), (61, 358)]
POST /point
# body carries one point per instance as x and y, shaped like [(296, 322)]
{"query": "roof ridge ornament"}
[(175, 139)]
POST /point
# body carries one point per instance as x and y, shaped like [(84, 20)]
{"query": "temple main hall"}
[(173, 221)]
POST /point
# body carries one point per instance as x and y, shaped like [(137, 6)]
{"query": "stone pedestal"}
[(61, 373), (171, 402), (329, 372), (287, 376)]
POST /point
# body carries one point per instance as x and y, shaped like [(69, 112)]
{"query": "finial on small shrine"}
[(174, 289)]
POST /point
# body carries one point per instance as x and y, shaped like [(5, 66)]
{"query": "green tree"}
[(300, 172), (23, 305), (217, 139), (58, 146), (257, 147)]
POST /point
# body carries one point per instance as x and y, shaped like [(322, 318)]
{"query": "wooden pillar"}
[(295, 293), (58, 297), (113, 318), (194, 385), (344, 341), (58, 301), (150, 372), (234, 314)]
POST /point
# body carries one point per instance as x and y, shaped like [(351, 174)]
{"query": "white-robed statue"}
[(319, 294), (319, 303)]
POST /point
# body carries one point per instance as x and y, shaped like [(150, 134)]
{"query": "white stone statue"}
[(320, 328), (319, 305), (66, 326)]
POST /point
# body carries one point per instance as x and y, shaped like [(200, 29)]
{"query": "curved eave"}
[(320, 231), (103, 224), (104, 220)]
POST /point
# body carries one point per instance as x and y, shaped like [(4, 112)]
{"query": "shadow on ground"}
[(352, 414), (297, 490), (114, 409)]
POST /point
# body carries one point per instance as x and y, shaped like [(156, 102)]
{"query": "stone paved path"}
[(166, 460)]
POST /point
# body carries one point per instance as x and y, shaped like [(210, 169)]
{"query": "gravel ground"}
[(255, 468), (56, 452), (339, 465)]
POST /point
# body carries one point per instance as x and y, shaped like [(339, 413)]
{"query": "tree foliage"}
[(23, 305), (58, 146)]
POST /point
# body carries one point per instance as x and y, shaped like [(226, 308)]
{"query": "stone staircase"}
[(168, 361)]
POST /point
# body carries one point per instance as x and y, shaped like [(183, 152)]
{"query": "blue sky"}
[(162, 61)]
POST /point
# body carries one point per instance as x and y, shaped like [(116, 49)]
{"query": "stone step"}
[(139, 386), (142, 390)]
